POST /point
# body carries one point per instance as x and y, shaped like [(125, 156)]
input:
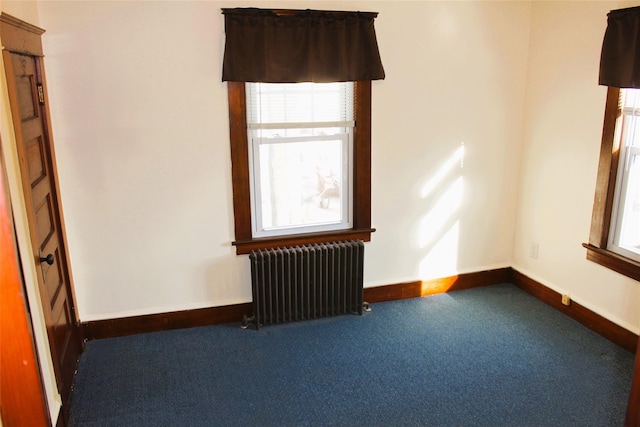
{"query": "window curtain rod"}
[(293, 12)]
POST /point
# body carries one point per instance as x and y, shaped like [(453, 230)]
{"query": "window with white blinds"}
[(624, 235), (300, 156), (309, 105)]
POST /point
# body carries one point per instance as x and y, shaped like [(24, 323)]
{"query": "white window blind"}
[(301, 104), (300, 138)]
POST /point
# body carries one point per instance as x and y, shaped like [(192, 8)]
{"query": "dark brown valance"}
[(620, 59), (287, 46)]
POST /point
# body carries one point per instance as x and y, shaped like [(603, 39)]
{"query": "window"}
[(358, 225), (300, 156), (300, 173), (624, 235), (614, 241)]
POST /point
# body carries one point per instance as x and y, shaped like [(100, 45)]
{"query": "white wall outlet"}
[(533, 250)]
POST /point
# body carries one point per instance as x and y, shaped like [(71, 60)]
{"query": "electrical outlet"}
[(566, 299), (533, 250)]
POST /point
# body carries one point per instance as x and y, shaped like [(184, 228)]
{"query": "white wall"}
[(27, 10), (565, 111), (141, 131), (455, 75)]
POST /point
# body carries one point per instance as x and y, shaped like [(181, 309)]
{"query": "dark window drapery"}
[(620, 59), (288, 46)]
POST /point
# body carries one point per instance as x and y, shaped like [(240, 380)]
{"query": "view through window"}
[(624, 234), (300, 139)]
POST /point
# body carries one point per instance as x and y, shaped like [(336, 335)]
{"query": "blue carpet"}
[(491, 356)]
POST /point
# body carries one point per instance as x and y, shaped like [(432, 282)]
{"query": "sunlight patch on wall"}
[(442, 259), (457, 158), (438, 231), (433, 223)]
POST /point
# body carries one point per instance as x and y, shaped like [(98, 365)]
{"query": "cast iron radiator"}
[(306, 282)]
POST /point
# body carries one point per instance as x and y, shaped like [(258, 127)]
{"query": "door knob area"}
[(48, 259)]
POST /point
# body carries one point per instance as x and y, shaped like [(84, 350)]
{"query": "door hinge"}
[(40, 93)]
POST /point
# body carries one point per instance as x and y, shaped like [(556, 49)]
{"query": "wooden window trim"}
[(613, 261), (245, 242), (603, 203)]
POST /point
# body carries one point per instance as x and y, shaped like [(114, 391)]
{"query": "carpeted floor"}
[(491, 356)]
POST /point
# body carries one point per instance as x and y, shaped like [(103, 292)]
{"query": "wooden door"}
[(27, 98)]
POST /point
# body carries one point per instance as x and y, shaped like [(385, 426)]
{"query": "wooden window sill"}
[(246, 246), (613, 261)]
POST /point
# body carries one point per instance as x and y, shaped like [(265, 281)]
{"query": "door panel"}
[(35, 159), (24, 86), (24, 77)]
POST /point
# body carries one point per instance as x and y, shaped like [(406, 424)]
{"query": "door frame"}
[(17, 36)]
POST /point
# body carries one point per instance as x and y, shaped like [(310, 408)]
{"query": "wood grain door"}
[(27, 98)]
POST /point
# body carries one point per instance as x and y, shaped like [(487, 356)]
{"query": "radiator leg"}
[(366, 307), (245, 321)]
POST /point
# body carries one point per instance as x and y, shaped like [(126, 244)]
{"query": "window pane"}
[(300, 136), (303, 183), (625, 224), (630, 204)]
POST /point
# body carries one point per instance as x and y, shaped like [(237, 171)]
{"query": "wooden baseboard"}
[(588, 318), (422, 288), (164, 321), (233, 313)]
